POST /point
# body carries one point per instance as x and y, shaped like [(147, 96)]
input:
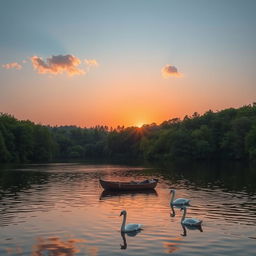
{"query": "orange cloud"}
[(58, 64), (15, 65), (169, 70), (91, 62)]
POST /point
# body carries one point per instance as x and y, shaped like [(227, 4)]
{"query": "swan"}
[(128, 227), (178, 201), (189, 221)]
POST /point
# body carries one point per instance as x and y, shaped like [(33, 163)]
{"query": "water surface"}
[(60, 209)]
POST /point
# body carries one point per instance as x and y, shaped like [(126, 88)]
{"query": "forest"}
[(229, 134)]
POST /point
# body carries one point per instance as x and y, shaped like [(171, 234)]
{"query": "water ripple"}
[(62, 207)]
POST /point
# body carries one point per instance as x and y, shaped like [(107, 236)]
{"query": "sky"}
[(125, 62)]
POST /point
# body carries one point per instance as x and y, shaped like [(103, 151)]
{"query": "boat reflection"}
[(132, 233), (184, 227), (106, 194)]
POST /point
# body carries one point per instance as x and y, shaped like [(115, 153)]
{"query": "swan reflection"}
[(133, 233), (173, 213), (185, 227), (124, 245)]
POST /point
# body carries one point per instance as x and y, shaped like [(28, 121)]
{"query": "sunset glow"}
[(139, 125)]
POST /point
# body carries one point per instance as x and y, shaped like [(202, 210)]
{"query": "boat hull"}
[(128, 186)]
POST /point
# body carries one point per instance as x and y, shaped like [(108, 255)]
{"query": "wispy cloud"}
[(58, 64), (169, 70), (14, 65), (91, 62)]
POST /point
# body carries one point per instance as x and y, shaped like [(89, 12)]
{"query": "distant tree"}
[(202, 143), (4, 154), (226, 134), (43, 144), (76, 152), (250, 143), (180, 144), (24, 141)]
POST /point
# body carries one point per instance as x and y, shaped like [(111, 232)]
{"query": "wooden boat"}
[(132, 185)]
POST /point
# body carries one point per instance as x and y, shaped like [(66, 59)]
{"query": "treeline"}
[(229, 134)]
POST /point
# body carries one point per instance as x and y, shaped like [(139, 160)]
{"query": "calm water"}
[(60, 210)]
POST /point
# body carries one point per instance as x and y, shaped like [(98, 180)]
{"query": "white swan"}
[(128, 227), (178, 201), (189, 221)]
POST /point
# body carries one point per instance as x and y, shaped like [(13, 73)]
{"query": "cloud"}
[(58, 64), (169, 70), (15, 65), (91, 62)]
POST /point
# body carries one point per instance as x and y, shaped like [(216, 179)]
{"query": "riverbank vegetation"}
[(229, 134)]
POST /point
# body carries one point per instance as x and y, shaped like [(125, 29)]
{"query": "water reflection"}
[(14, 251), (173, 246), (124, 245), (184, 227), (173, 213), (54, 246), (231, 176), (59, 202), (123, 234), (106, 194)]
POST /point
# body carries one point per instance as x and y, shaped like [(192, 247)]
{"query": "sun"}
[(139, 125)]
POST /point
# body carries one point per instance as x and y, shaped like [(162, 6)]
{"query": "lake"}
[(60, 209)]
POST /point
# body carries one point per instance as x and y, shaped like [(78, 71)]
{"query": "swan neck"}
[(123, 224)]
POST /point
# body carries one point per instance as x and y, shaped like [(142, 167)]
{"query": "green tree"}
[(250, 143), (4, 154)]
